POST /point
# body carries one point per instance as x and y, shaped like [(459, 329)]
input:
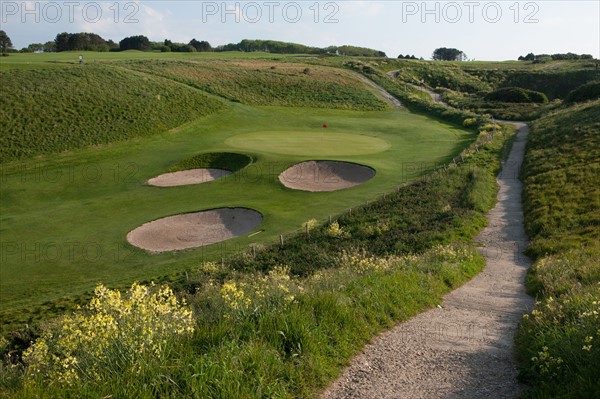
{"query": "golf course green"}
[(315, 143), (65, 216)]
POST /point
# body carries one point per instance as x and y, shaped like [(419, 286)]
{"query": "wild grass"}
[(416, 100), (53, 110), (500, 110), (265, 335), (558, 343), (258, 82), (562, 180)]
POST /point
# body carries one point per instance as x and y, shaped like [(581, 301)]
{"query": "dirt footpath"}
[(463, 349)]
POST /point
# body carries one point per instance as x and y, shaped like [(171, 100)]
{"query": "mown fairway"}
[(65, 216)]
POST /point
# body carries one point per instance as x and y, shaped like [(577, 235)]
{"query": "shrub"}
[(588, 91), (517, 95), (470, 122), (113, 335)]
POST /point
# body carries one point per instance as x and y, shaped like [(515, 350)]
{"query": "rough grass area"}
[(562, 180), (255, 335), (559, 342), (255, 82), (498, 109), (52, 110), (270, 323)]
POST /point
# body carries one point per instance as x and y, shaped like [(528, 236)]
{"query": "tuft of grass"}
[(559, 342)]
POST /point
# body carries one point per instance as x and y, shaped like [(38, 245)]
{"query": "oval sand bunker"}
[(325, 175), (191, 230), (186, 177)]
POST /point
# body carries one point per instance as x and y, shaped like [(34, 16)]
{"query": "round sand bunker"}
[(191, 230), (186, 177), (325, 175)]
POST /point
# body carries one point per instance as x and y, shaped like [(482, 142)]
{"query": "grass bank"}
[(559, 342), (50, 110)]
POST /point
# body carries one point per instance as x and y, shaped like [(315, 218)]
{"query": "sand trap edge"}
[(188, 177), (194, 229), (325, 175)]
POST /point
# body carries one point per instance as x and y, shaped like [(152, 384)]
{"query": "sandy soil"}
[(434, 96), (185, 177), (464, 348), (325, 175), (191, 230)]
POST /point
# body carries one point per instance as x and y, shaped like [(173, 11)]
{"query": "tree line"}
[(555, 57), (92, 42)]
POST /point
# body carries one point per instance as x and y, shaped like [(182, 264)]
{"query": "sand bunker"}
[(190, 176), (325, 175), (191, 230)]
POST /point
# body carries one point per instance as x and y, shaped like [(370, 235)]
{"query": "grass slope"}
[(257, 82), (52, 110), (558, 344)]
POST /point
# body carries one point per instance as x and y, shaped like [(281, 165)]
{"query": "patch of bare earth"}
[(191, 230), (463, 349), (325, 175), (186, 177)]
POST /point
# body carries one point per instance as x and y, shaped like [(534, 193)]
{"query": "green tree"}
[(49, 47), (200, 45), (140, 42), (448, 54), (5, 42), (36, 47)]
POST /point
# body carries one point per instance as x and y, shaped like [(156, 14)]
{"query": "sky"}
[(484, 30)]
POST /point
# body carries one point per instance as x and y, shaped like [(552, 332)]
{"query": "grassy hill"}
[(49, 110), (464, 85), (558, 343), (54, 107), (259, 82)]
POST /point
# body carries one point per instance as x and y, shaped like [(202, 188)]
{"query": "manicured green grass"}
[(94, 197), (317, 142), (558, 343)]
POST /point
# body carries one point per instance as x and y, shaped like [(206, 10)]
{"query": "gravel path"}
[(393, 101), (463, 349)]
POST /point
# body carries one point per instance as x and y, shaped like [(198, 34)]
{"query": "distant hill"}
[(273, 46)]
